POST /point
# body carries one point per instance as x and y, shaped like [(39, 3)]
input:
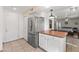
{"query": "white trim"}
[(72, 44)]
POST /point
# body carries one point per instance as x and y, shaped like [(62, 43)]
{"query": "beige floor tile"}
[(73, 41), (75, 49), (69, 48), (19, 45)]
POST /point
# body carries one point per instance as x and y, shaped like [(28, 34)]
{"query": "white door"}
[(26, 28), (11, 26)]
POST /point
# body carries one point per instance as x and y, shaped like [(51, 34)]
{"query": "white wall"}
[(11, 25), (1, 27), (19, 18), (21, 34)]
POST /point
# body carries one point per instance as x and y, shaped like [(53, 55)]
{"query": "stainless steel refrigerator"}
[(35, 25)]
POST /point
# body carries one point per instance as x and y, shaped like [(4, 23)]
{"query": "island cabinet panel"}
[(60, 44), (52, 43), (43, 41)]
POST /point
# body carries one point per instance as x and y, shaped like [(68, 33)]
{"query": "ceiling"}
[(19, 9), (25, 8), (59, 11)]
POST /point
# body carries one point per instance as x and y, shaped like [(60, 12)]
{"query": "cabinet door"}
[(42, 41), (55, 44), (52, 44), (60, 44)]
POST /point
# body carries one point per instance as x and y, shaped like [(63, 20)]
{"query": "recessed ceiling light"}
[(14, 8)]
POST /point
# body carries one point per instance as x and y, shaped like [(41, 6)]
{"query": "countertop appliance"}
[(35, 25)]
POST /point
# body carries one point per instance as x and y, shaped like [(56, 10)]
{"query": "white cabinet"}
[(60, 44), (42, 41), (52, 43)]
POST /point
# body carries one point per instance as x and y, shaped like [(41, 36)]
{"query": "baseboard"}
[(42, 49), (1, 48), (72, 44), (13, 40)]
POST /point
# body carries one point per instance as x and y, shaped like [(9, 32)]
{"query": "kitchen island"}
[(53, 41)]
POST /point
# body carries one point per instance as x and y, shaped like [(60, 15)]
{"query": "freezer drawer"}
[(33, 40)]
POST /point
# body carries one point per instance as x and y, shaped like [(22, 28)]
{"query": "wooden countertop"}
[(55, 33)]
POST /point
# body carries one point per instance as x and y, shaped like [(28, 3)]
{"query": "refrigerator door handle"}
[(31, 26)]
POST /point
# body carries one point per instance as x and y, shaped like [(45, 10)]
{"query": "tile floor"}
[(19, 45), (72, 44)]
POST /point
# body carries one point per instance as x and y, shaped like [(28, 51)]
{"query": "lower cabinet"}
[(52, 43), (43, 41)]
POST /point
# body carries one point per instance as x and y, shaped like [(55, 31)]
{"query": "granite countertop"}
[(55, 33)]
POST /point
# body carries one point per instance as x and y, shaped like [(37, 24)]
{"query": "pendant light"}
[(51, 15), (66, 19)]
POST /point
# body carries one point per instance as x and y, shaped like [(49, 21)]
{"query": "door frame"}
[(25, 26)]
